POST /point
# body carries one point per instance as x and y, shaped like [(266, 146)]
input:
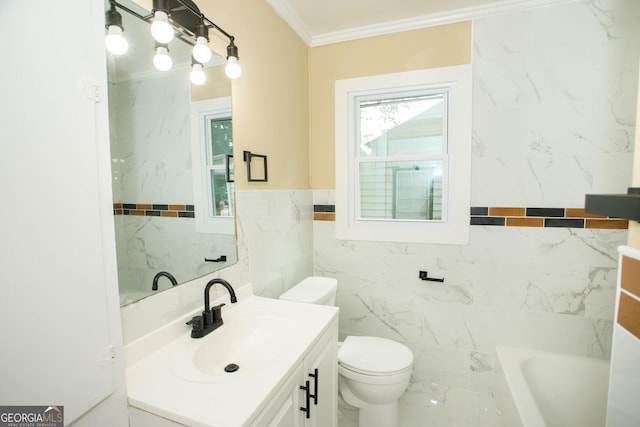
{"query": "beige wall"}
[(217, 85), (407, 51), (271, 98)]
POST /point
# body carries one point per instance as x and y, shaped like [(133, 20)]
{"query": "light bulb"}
[(197, 75), (201, 51), (115, 41), (161, 30), (162, 60), (232, 68)]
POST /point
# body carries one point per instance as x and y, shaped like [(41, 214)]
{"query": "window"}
[(403, 154), (219, 145), (212, 162)]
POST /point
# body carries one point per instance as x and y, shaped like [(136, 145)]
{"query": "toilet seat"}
[(374, 356), (375, 379)]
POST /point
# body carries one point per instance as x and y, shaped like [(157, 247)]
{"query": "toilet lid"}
[(375, 355)]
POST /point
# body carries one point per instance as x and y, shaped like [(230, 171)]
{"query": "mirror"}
[(155, 201)]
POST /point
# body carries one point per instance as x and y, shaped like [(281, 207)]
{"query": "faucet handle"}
[(217, 312), (196, 322)]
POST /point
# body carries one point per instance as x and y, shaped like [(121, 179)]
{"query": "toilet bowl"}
[(373, 372)]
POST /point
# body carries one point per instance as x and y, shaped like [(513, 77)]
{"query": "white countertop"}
[(226, 401)]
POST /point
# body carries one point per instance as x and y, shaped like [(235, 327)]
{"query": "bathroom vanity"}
[(272, 363)]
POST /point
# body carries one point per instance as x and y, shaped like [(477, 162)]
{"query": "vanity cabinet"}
[(280, 346), (309, 397)]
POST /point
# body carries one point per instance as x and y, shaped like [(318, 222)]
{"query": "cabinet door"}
[(321, 370), (284, 408), (289, 414)]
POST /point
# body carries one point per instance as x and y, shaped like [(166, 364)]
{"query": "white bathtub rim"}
[(512, 362)]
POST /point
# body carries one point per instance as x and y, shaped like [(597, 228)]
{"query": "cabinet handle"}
[(315, 386), (306, 410)]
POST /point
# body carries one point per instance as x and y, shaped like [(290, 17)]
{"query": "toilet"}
[(373, 372)]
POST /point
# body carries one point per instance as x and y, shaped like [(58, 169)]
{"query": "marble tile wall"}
[(275, 236), (151, 145), (146, 245), (554, 118), (554, 103)]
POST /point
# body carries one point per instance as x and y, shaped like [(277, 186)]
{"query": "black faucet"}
[(211, 318), (154, 286)]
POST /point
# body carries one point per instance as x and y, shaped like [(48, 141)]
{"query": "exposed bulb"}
[(197, 75), (115, 41), (232, 68), (201, 51), (161, 30), (162, 60)]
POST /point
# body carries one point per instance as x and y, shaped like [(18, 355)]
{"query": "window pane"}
[(409, 190), (221, 145), (403, 126), (221, 138), (220, 193)]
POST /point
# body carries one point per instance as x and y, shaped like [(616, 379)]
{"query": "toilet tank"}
[(313, 290)]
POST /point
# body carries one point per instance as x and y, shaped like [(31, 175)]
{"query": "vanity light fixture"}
[(232, 69), (115, 41), (161, 59), (197, 75), (201, 51), (173, 19), (161, 30)]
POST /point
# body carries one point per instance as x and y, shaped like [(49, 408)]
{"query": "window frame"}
[(456, 81), (201, 113)]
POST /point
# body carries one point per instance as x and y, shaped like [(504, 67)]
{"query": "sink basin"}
[(243, 345)]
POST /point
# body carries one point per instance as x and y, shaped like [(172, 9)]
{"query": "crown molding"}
[(283, 9)]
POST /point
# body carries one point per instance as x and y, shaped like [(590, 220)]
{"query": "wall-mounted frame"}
[(256, 167)]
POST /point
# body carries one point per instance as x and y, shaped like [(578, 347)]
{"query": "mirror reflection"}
[(156, 176)]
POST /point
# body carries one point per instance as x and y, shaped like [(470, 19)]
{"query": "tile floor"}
[(421, 408)]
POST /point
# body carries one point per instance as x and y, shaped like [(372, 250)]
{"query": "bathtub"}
[(540, 389)]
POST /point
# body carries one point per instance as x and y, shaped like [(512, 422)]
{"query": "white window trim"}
[(455, 230), (204, 221)]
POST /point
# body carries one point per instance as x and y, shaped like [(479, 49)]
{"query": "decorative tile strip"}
[(487, 220), (324, 208), (153, 209), (324, 212), (544, 217), (518, 217)]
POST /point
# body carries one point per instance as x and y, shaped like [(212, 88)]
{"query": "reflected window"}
[(212, 161), (219, 165)]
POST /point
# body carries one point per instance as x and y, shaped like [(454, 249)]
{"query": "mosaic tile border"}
[(154, 209), (518, 217)]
